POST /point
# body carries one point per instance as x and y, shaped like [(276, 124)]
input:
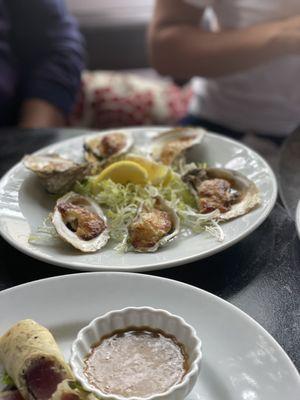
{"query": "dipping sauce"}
[(136, 362)]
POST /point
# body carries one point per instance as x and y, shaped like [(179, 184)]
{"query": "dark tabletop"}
[(260, 274)]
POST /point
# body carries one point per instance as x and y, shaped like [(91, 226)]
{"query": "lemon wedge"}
[(124, 172), (156, 172)]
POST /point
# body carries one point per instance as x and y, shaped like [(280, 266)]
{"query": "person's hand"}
[(180, 48), (288, 35), (37, 113)]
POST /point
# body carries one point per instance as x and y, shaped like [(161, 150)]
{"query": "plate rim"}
[(145, 267), (201, 292)]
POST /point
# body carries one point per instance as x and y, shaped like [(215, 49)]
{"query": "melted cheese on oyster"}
[(216, 194), (174, 148), (112, 144), (149, 228), (84, 222)]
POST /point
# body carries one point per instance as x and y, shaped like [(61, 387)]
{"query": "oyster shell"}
[(229, 191), (153, 227), (169, 145), (81, 222), (57, 174), (102, 147)]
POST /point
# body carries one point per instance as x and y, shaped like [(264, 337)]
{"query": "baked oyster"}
[(57, 174), (102, 147), (170, 145), (152, 227), (228, 191), (81, 222)]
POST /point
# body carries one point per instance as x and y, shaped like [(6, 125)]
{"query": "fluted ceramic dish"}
[(138, 317)]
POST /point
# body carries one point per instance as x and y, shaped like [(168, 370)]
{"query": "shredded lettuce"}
[(45, 234), (6, 380), (182, 167), (75, 385), (121, 202)]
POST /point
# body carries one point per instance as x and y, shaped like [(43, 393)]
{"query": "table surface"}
[(289, 181), (260, 274)]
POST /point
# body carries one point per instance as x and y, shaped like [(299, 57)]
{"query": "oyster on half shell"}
[(228, 191), (153, 227), (170, 145), (57, 174), (81, 222), (102, 147)]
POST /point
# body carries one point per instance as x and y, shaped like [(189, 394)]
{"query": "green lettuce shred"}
[(75, 385), (121, 202), (6, 380), (44, 234)]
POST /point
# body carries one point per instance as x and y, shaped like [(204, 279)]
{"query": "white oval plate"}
[(241, 361), (24, 205)]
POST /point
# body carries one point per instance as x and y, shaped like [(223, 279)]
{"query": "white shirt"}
[(265, 99)]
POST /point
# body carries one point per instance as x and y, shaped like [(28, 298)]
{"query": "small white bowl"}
[(138, 317)]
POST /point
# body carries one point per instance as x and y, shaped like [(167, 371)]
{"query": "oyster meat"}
[(102, 147), (153, 227), (170, 145), (81, 222), (228, 191), (57, 174)]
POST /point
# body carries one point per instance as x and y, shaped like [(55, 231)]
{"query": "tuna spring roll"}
[(33, 360)]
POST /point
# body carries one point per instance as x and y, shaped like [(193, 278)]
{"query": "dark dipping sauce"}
[(136, 362)]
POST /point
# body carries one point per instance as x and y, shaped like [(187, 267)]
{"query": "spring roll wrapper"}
[(25, 342)]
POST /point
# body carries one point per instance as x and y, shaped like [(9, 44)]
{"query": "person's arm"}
[(178, 47), (49, 50), (37, 113)]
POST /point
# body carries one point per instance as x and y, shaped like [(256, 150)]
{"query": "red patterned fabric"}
[(110, 99)]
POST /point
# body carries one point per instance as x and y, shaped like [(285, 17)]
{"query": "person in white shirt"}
[(246, 68)]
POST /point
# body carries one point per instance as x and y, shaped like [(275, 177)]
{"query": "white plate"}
[(24, 205), (241, 361)]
